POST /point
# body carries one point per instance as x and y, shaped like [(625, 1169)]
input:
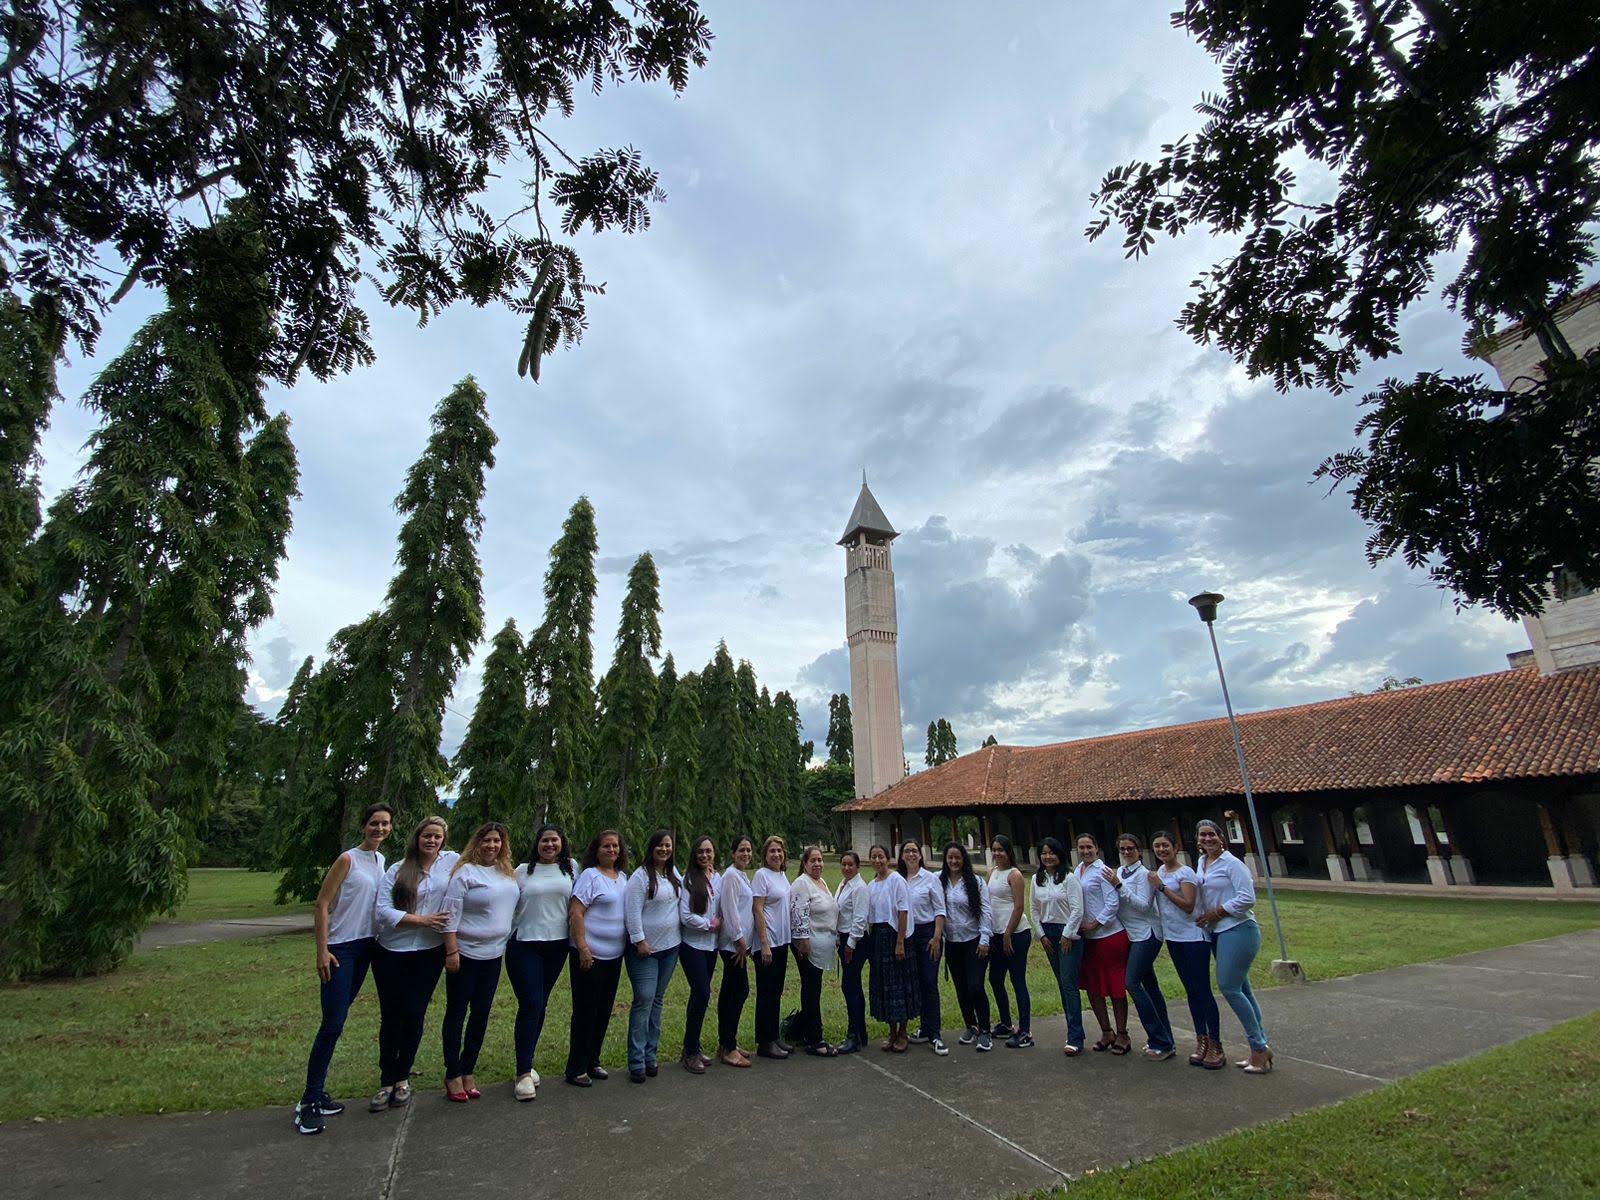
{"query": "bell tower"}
[(872, 632)]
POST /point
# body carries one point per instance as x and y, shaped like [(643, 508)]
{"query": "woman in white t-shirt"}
[(650, 907), (598, 925), (813, 917), (1141, 921), (855, 947), (896, 990), (698, 922), (735, 908), (769, 906), (345, 923), (538, 947), (481, 901), (1175, 889)]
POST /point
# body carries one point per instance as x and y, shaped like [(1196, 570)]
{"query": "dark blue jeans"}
[(594, 995), (769, 992), (698, 966), (731, 1000), (966, 972), (471, 989), (406, 982), (344, 984), (534, 969), (855, 998), (1193, 961), (1015, 965), (1065, 966), (1145, 992), (919, 944)]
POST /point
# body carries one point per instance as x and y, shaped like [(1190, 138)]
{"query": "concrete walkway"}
[(893, 1126), (195, 933)]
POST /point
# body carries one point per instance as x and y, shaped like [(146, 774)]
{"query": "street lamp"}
[(1206, 605)]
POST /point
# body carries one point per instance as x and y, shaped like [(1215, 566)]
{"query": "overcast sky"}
[(871, 256)]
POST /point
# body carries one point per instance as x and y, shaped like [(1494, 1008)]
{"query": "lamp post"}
[(1206, 605)]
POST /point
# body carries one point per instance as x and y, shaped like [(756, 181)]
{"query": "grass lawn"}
[(222, 893), (228, 1025), (1522, 1120)]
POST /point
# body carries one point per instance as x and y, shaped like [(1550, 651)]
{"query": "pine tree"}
[(678, 794), (755, 792), (561, 675), (625, 756), (790, 758), (991, 740), (724, 751), (27, 389), (841, 739), (941, 743), (489, 763)]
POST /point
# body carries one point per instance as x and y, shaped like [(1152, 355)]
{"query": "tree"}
[(1467, 130), (678, 798), (371, 141), (625, 762), (725, 751), (991, 740), (28, 350), (1392, 683), (827, 787), (489, 763), (941, 743), (841, 739)]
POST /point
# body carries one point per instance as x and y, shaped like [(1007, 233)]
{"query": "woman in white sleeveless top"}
[(1010, 937)]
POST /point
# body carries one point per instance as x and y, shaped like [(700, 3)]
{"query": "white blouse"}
[(429, 900), (851, 899), (350, 916), (773, 889), (1136, 904), (738, 919), (1177, 925), (1057, 904), (927, 897), (603, 923), (887, 898), (1099, 900), (652, 919), (542, 909), (961, 924), (1225, 884), (695, 928), (1001, 904), (813, 916), (481, 902)]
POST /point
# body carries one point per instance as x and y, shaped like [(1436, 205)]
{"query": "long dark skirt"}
[(896, 990)]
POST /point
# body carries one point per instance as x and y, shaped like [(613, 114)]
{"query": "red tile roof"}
[(1514, 724)]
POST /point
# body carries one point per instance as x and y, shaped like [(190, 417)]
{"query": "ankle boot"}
[(1199, 1055), (1215, 1059)]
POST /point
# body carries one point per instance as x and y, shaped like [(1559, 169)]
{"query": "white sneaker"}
[(938, 1046), (527, 1087), (534, 1075)]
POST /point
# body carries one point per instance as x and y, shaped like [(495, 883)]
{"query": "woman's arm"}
[(1183, 895), (331, 883), (900, 919), (985, 920), (633, 912), (758, 913), (575, 928), (1074, 925), (800, 916)]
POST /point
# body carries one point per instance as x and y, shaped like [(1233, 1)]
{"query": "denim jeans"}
[(534, 969), (1065, 966), (649, 978), (1193, 963), (855, 997), (344, 984), (1235, 950), (469, 990), (919, 945), (594, 993), (769, 992), (1015, 965), (698, 968), (1145, 992), (730, 1001), (406, 982), (966, 972)]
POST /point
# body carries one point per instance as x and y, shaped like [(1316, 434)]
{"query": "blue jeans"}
[(855, 998), (1015, 965), (649, 977), (344, 984), (534, 968), (468, 1000), (1145, 992), (1235, 950), (1065, 967), (406, 982), (1193, 962), (919, 944)]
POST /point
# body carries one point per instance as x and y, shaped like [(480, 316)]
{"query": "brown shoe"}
[(1215, 1059), (1260, 1062), (1199, 1055), (734, 1058), (694, 1064)]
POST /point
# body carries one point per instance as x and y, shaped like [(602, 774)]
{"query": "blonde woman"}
[(482, 901), (813, 917), (769, 908)]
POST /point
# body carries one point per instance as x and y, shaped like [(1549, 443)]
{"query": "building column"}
[(1338, 869), (927, 831), (1582, 869), (1381, 867), (1560, 867), (1460, 865), (1251, 859), (1270, 847), (987, 827), (1438, 868)]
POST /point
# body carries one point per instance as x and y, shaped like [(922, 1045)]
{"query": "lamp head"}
[(1206, 605)]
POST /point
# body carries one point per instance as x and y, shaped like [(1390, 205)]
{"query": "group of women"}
[(467, 916)]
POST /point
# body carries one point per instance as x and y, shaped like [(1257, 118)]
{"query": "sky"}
[(871, 257)]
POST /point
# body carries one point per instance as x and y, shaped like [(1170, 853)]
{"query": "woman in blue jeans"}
[(1057, 916), (650, 910), (1176, 889), (1227, 899), (537, 951), (1141, 921), (346, 934)]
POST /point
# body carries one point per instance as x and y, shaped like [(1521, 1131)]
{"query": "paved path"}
[(195, 933), (897, 1126)]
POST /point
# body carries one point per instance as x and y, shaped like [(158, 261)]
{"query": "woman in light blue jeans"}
[(650, 911), (1226, 907)]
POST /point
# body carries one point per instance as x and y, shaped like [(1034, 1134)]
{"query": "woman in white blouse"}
[(538, 947), (481, 900), (697, 919), (966, 936), (734, 903), (1176, 888), (598, 930), (770, 907), (410, 955), (651, 911), (855, 948), (1104, 973), (1227, 914), (1010, 937), (1141, 921), (926, 940), (813, 917), (896, 990), (1057, 918)]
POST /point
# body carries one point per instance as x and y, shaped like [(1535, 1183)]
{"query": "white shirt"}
[(1136, 904), (481, 902), (851, 899), (738, 922), (1057, 904), (887, 898), (1177, 925), (773, 888), (542, 909), (927, 897), (813, 917), (1001, 905), (350, 916), (695, 928), (603, 921), (1099, 900), (961, 924), (1225, 884), (652, 919), (429, 900)]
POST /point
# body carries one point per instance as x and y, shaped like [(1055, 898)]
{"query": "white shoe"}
[(527, 1087), (534, 1075)]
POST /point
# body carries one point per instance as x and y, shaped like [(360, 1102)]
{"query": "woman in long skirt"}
[(896, 991)]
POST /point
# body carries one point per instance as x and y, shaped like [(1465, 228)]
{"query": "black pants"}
[(472, 987), (920, 945), (534, 969), (698, 966), (966, 972), (769, 993), (1015, 965), (406, 981), (594, 994), (730, 1001), (855, 998), (810, 1000)]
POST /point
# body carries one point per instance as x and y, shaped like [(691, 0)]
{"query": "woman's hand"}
[(642, 948), (983, 949), (585, 958), (1007, 942), (452, 961), (899, 948), (327, 964), (766, 956), (741, 953), (1049, 946), (1155, 880), (848, 954), (1112, 877), (935, 949), (804, 946), (1089, 926), (716, 924)]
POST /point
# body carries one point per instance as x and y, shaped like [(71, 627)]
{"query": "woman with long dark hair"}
[(410, 955), (1105, 952), (813, 916), (769, 892), (1176, 888), (1226, 911), (538, 947), (1010, 937), (734, 939), (1141, 921), (650, 909), (896, 990), (698, 923), (966, 937), (598, 930), (855, 947), (344, 918), (1057, 916), (482, 900), (926, 941)]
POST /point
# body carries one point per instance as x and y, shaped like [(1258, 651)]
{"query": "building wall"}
[(872, 630)]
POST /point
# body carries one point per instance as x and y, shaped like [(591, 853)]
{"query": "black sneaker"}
[(985, 1042), (1020, 1040), (1002, 1031), (939, 1047), (328, 1106), (919, 1038), (969, 1036), (307, 1119)]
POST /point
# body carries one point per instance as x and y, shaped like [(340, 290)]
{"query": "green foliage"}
[(1459, 135), (27, 389), (841, 738), (941, 743), (725, 751), (827, 787), (490, 763), (991, 740), (237, 830), (368, 139), (625, 761), (679, 804)]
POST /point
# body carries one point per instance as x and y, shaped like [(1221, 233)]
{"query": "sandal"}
[(1121, 1044), (901, 1044), (1105, 1043), (887, 1045), (821, 1050)]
